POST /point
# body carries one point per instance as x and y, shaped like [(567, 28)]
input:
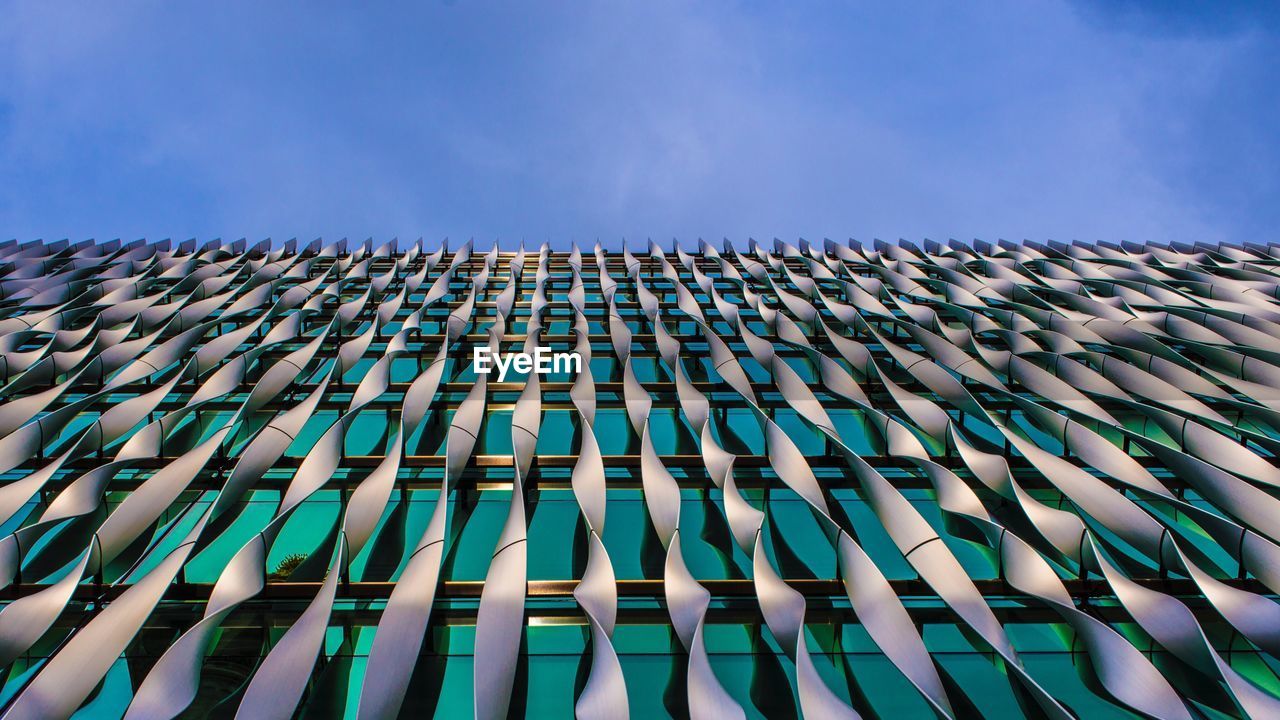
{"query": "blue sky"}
[(1043, 120)]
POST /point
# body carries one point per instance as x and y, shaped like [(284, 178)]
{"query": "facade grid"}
[(821, 481)]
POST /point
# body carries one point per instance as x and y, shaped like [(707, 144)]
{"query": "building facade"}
[(820, 481)]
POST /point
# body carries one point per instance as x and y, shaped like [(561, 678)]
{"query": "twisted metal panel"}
[(1098, 421)]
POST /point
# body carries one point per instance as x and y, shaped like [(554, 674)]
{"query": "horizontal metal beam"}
[(628, 589)]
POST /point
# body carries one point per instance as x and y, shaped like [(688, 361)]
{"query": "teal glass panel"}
[(706, 543), (250, 516), (368, 433), (172, 530), (803, 367), (315, 428), (495, 434), (855, 432), (872, 537), (739, 430), (808, 439), (671, 434), (794, 539), (377, 559), (558, 435), (553, 529), (357, 371), (310, 524), (480, 516), (614, 433), (634, 548)]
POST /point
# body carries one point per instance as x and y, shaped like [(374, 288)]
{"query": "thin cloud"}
[(657, 120)]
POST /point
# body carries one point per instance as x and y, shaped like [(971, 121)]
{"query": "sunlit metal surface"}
[(263, 481)]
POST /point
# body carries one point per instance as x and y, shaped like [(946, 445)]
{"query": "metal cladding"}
[(1083, 436)]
